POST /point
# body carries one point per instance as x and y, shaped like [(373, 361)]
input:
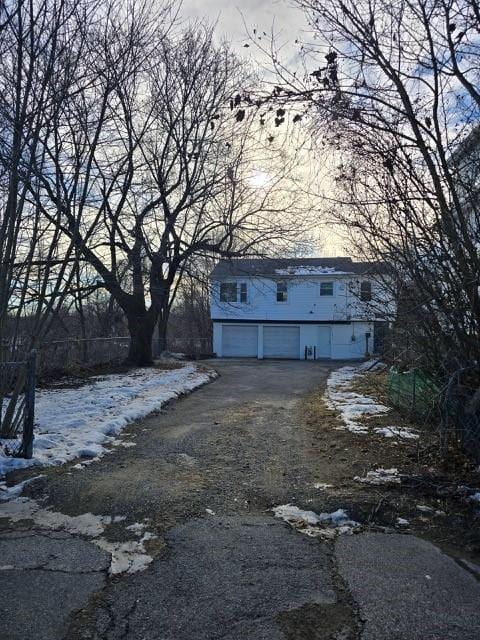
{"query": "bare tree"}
[(392, 87), (36, 263), (146, 167)]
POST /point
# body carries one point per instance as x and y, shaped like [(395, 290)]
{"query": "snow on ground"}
[(126, 557), (397, 432), (323, 486), (353, 407), (350, 405), (402, 522), (381, 476), (323, 525), (80, 422)]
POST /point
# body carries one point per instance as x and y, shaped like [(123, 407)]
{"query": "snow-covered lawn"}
[(80, 422)]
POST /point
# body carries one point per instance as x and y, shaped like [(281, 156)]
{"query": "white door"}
[(324, 344), (281, 342), (239, 341)]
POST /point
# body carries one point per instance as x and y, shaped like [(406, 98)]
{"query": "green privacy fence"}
[(447, 406), (413, 391)]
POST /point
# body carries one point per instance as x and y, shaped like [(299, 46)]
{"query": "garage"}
[(281, 342), (239, 341)]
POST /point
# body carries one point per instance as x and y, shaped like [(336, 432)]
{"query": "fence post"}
[(27, 444)]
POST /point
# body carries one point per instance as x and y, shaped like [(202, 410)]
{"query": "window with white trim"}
[(228, 292), (243, 292), (282, 293), (365, 291), (233, 292), (326, 288)]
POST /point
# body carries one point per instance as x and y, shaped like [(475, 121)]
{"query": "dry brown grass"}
[(315, 411)]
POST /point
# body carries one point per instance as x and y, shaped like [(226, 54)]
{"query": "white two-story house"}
[(297, 308)]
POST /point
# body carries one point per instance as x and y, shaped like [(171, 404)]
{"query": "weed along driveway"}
[(226, 515)]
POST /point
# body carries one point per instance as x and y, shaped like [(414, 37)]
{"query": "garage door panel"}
[(281, 342), (240, 341)]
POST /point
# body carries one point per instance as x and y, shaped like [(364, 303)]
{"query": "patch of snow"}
[(402, 522), (73, 423), (86, 524), (126, 557), (397, 432), (137, 528), (322, 486), (350, 405), (380, 476), (423, 508), (323, 525), (7, 493), (309, 271)]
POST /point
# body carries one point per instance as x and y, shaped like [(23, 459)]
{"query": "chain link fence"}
[(17, 406)]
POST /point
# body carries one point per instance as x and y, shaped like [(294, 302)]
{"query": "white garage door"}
[(281, 342), (324, 346), (239, 341)]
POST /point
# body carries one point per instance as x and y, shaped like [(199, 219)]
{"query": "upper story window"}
[(282, 294), (326, 288), (233, 292), (243, 292), (365, 291), (228, 292)]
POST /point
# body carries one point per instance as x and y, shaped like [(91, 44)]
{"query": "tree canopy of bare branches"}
[(392, 87), (122, 149)]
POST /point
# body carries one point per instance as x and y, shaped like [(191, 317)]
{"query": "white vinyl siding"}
[(281, 342), (239, 341)]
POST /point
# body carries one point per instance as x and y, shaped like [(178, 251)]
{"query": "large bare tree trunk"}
[(141, 330)]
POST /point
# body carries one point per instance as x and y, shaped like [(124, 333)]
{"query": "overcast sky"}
[(257, 13), (288, 23), (234, 18)]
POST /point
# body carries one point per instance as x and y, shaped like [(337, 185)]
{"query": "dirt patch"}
[(448, 520)]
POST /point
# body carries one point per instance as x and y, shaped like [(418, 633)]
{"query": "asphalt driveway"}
[(204, 475)]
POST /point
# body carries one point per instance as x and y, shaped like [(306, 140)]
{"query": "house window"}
[(243, 292), (326, 288), (365, 291), (281, 291), (228, 292)]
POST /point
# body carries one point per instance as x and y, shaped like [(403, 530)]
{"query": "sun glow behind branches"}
[(260, 179)]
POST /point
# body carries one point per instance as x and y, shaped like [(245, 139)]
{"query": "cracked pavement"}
[(203, 477)]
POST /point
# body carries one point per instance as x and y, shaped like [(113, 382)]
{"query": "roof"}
[(275, 267)]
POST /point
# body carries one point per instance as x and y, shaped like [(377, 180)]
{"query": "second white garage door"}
[(281, 342), (239, 341)]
